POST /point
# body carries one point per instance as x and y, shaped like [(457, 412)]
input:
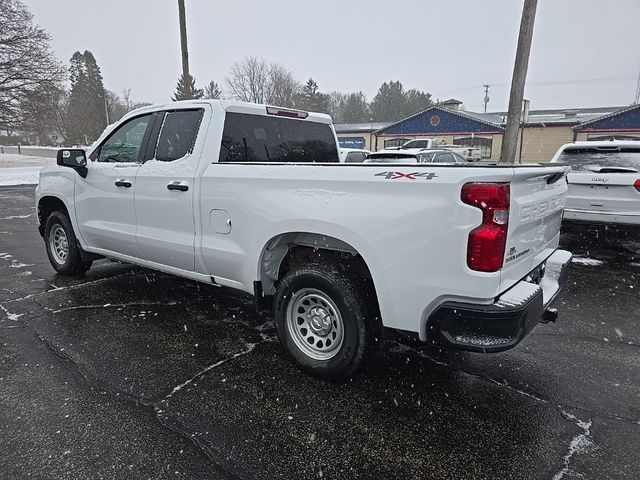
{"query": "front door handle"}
[(123, 183), (178, 186)]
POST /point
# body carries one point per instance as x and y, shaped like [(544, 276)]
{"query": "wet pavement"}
[(130, 373)]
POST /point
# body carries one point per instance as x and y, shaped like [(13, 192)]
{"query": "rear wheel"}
[(322, 321), (62, 246)]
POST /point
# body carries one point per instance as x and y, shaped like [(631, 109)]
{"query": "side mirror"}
[(73, 158)]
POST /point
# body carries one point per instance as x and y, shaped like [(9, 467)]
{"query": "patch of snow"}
[(9, 160), (19, 176), (17, 264), (17, 216), (580, 443), (249, 349), (21, 169), (592, 262), (11, 316)]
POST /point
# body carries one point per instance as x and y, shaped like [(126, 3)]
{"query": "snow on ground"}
[(592, 262), (21, 169)]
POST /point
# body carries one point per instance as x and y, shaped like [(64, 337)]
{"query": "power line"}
[(583, 81)]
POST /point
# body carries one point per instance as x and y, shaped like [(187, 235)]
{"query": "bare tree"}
[(126, 97), (27, 66), (249, 80), (282, 87)]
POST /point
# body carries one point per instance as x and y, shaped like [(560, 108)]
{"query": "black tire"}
[(339, 289), (71, 263)]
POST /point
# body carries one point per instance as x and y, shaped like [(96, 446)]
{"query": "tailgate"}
[(604, 192), (538, 195)]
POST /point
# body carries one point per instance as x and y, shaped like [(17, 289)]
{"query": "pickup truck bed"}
[(455, 254)]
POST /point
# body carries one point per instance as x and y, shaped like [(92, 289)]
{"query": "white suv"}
[(604, 184)]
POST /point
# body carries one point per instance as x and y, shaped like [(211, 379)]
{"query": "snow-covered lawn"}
[(21, 169)]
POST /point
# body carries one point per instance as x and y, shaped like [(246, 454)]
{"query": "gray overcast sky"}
[(449, 48)]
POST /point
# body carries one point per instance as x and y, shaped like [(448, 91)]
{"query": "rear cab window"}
[(585, 159), (267, 139)]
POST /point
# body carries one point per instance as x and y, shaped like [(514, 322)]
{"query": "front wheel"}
[(322, 321), (62, 246)]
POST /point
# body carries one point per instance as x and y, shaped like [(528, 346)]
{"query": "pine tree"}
[(311, 99), (389, 103), (186, 89), (87, 116), (76, 113), (212, 90), (355, 108)]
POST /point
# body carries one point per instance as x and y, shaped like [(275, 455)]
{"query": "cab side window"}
[(124, 144), (178, 134)]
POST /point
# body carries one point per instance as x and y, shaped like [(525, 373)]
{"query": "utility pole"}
[(510, 141), (183, 38), (106, 108), (486, 97), (637, 99)]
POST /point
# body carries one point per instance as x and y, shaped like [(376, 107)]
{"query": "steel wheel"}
[(315, 324), (59, 244)]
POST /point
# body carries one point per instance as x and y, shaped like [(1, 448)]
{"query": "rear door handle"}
[(178, 186), (123, 183)]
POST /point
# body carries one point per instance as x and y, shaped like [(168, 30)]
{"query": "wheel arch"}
[(47, 205), (286, 250)]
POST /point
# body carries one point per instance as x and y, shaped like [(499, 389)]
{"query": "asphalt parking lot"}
[(129, 373)]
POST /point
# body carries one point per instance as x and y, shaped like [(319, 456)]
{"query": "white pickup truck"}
[(254, 198)]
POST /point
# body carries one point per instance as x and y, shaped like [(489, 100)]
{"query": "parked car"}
[(604, 183), (353, 155), (421, 156), (472, 154), (421, 143), (440, 156), (254, 198)]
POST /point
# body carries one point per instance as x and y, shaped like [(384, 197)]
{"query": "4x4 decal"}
[(408, 176)]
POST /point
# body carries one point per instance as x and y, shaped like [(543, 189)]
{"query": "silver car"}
[(604, 183)]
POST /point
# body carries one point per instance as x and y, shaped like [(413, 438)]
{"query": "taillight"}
[(286, 112), (637, 184), (486, 245)]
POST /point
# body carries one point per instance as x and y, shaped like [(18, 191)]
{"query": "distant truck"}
[(254, 198)]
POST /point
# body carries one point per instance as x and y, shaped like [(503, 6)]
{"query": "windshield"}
[(584, 159)]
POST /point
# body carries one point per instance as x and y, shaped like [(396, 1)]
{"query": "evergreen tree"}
[(186, 89), (311, 99), (95, 98), (389, 103), (416, 101), (355, 108), (393, 103), (212, 90), (87, 115)]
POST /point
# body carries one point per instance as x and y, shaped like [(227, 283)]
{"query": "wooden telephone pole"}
[(510, 141), (183, 38)]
